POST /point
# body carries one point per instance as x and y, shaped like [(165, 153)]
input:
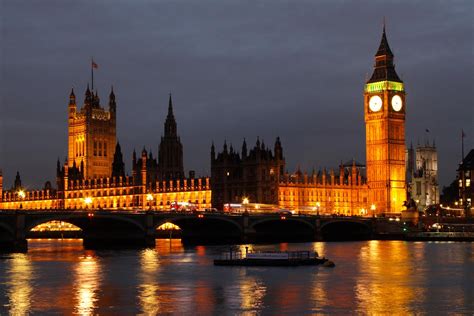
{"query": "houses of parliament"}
[(93, 175)]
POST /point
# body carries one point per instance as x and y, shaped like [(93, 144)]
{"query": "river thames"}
[(370, 277)]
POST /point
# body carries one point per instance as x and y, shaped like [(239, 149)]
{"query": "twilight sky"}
[(236, 68)]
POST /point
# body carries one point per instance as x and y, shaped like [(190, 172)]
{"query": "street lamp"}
[(149, 198), (88, 201), (21, 195), (245, 202), (318, 205), (372, 208)]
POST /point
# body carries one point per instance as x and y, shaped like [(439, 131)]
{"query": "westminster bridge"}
[(110, 229)]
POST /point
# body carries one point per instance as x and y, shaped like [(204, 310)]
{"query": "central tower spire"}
[(170, 152), (170, 123), (384, 69)]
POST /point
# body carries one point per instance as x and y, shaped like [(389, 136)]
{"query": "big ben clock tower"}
[(384, 106)]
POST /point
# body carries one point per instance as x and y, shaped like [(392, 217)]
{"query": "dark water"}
[(372, 277)]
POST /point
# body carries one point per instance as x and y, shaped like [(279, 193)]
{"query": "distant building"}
[(259, 175), (422, 166), (465, 180), (91, 135), (253, 174), (94, 177)]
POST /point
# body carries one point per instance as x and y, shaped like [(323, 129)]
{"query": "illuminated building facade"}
[(93, 176), (91, 135), (422, 169), (384, 99), (259, 175), (466, 183), (326, 193)]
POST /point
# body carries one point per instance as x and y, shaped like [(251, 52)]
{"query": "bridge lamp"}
[(21, 194), (88, 201), (245, 202), (149, 198), (373, 208)]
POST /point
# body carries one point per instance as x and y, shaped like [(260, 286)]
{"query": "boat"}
[(269, 258)]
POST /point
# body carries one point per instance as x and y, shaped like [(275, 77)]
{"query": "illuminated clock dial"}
[(375, 103), (397, 103)]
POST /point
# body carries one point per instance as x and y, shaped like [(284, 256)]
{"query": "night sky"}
[(294, 69)]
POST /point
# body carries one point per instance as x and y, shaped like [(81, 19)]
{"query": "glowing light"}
[(88, 200), (55, 226), (245, 200), (20, 288), (21, 194), (88, 279), (149, 197), (384, 85), (168, 226)]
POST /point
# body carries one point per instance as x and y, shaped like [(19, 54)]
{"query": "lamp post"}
[(318, 205), (149, 199), (88, 201), (372, 208), (245, 202), (21, 194)]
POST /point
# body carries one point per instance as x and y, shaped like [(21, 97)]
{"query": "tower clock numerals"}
[(375, 103), (397, 103)]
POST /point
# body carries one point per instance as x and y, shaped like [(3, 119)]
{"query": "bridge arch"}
[(4, 228), (178, 221), (81, 220), (287, 229), (205, 228), (287, 219), (346, 229)]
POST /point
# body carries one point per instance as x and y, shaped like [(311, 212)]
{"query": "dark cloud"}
[(293, 69)]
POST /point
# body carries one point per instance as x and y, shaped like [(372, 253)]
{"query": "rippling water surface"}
[(371, 277)]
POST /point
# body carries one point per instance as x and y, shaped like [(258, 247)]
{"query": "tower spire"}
[(170, 106), (170, 123), (384, 69)]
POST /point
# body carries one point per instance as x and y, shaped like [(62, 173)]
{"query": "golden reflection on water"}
[(20, 273), (148, 287), (88, 273), (252, 292), (386, 270)]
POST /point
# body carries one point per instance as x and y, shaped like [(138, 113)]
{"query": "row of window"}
[(100, 148)]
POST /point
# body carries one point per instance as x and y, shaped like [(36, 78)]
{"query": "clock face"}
[(397, 103), (375, 103)]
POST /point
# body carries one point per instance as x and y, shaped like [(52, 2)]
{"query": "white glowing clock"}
[(397, 103), (375, 103)]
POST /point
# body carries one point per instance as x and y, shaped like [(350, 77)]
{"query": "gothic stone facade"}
[(93, 176)]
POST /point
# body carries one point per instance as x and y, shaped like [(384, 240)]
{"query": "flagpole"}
[(462, 145), (92, 73)]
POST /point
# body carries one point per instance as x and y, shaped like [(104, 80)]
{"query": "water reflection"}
[(148, 287), (251, 292), (375, 277), (386, 274), (20, 277), (87, 274)]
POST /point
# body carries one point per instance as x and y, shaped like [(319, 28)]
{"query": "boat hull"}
[(270, 262)]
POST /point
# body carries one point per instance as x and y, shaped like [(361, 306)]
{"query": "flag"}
[(427, 130), (94, 65), (462, 133)]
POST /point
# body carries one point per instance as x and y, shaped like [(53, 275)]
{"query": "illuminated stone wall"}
[(114, 195), (326, 194)]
